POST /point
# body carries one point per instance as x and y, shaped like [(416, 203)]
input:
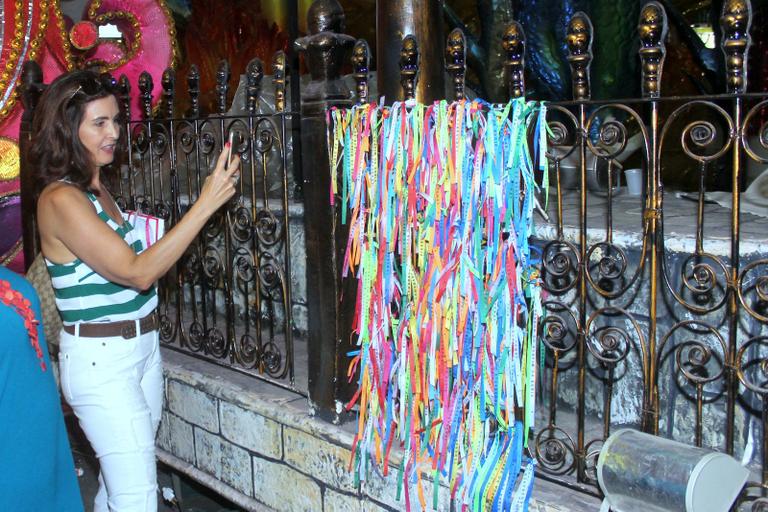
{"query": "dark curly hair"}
[(55, 150)]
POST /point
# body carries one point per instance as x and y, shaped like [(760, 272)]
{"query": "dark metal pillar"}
[(330, 301), (396, 19), (31, 89), (292, 61)]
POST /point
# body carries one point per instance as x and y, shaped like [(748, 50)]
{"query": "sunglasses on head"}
[(89, 87)]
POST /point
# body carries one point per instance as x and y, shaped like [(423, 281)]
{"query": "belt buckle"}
[(128, 331)]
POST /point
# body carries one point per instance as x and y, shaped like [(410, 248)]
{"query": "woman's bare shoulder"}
[(61, 193)]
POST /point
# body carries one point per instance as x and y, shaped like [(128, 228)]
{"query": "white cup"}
[(634, 179)]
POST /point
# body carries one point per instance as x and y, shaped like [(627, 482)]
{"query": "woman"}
[(104, 282)]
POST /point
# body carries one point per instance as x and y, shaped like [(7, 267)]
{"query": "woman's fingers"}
[(234, 164), (234, 168), (222, 160), (220, 185)]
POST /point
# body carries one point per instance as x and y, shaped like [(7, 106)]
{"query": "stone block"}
[(337, 502), (223, 460), (181, 438), (323, 460), (163, 439), (300, 319), (282, 488), (252, 431), (194, 406), (298, 263), (384, 491)]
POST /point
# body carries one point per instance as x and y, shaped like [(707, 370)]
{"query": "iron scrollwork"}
[(228, 300)]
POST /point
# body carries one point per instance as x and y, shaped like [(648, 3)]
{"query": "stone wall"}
[(260, 445), (256, 445)]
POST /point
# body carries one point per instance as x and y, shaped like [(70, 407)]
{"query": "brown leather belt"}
[(124, 328)]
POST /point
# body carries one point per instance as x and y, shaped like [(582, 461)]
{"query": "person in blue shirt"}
[(36, 465)]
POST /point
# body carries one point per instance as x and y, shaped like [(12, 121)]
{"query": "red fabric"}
[(23, 307)]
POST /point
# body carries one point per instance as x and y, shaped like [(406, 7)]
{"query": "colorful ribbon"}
[(439, 201)]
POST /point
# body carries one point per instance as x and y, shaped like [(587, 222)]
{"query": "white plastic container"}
[(634, 179), (641, 472)]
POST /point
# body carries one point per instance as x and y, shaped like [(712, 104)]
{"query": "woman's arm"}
[(68, 221)]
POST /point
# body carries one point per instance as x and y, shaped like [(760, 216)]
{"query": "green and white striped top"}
[(82, 295)]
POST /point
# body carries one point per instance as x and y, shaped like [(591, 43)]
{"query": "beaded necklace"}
[(14, 299)]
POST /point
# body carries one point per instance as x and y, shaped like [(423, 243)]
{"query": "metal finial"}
[(193, 87), (513, 42), (223, 75), (735, 22), (169, 91), (579, 42), (145, 90), (31, 85), (409, 66), (652, 29), (361, 64), (278, 80), (455, 61), (124, 92), (254, 73)]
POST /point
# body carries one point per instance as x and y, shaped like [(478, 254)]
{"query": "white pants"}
[(115, 387)]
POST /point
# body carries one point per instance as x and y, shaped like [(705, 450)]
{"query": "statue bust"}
[(325, 47)]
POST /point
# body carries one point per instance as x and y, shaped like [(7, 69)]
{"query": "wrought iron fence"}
[(229, 298), (656, 309), (658, 327)]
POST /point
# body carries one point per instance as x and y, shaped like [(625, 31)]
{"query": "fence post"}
[(579, 41), (735, 22), (652, 30), (330, 302)]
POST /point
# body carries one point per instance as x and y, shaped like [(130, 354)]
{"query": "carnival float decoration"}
[(31, 30), (37, 30)]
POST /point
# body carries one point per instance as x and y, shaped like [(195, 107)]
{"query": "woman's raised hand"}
[(221, 184)]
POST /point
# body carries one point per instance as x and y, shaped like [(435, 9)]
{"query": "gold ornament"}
[(9, 159)]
